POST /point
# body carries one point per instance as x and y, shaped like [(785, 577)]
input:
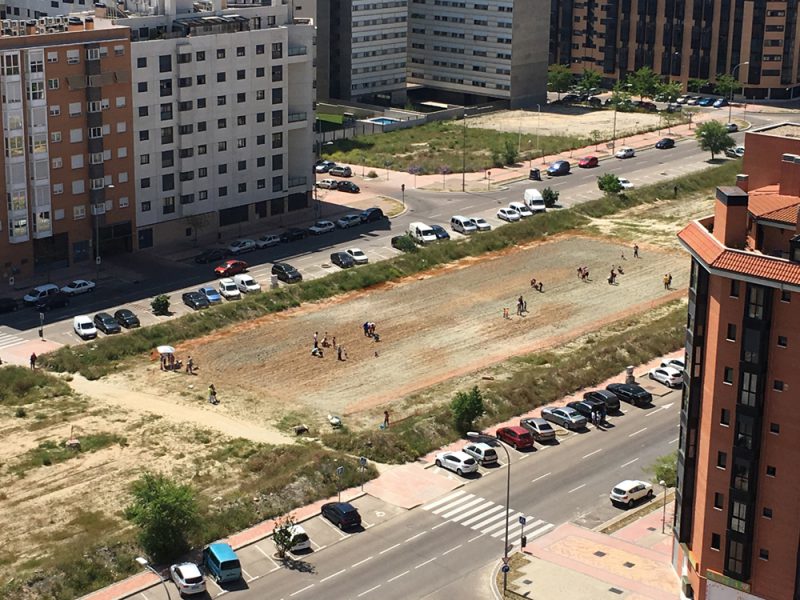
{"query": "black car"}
[(343, 260), (286, 273), (348, 186), (106, 323), (732, 127), (59, 300), (608, 398), (372, 214), (587, 407), (210, 255), (665, 143), (8, 305), (569, 98), (195, 300), (126, 318), (631, 392), (292, 234), (342, 514), (441, 232)]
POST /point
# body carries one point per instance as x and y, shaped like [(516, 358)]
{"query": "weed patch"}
[(50, 453)]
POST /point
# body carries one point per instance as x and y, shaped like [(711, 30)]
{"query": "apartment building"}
[(737, 519), (223, 107), (680, 39), (35, 9), (68, 153)]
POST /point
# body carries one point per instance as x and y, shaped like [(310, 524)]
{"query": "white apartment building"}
[(34, 9), (223, 118)]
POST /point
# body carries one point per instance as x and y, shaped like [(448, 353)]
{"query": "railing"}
[(297, 50), (297, 181), (298, 116)]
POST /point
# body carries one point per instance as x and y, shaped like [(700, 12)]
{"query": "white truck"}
[(421, 233), (533, 199)]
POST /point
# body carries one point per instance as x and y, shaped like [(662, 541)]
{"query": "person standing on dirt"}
[(316, 340), (666, 281), (635, 251), (669, 281), (386, 419), (366, 328), (505, 313), (33, 360), (212, 394), (190, 365)]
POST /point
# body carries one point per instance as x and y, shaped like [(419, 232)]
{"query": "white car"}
[(348, 221), (675, 363), (480, 223), (506, 214), (669, 376), (482, 452), (625, 183), (629, 491), (358, 256), (321, 227), (84, 327), (459, 462), (228, 289), (523, 211), (242, 246), (625, 152), (267, 241), (188, 579), (246, 284), (327, 184), (79, 286)]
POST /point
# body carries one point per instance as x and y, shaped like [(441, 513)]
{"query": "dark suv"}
[(292, 234), (342, 514), (631, 392), (286, 273), (106, 323), (372, 214), (607, 397), (343, 260), (59, 300), (587, 407)]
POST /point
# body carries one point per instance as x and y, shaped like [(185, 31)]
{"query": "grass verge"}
[(50, 453), (20, 386)]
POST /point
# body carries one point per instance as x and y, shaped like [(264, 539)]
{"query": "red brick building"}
[(737, 521)]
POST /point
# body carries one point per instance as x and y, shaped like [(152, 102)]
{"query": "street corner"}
[(410, 485), (20, 353)]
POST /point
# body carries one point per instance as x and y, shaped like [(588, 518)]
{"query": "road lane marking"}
[(361, 562), (469, 504), (455, 494), (475, 538), (484, 514), (540, 477), (577, 488), (500, 515), (413, 537), (630, 462), (425, 563), (452, 549), (336, 529), (439, 525), (250, 577), (638, 432), (388, 549), (324, 579), (593, 453), (397, 576), (267, 556), (511, 517), (372, 589), (673, 441), (308, 587), (480, 508)]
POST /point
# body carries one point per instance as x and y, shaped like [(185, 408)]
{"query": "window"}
[(735, 562), (220, 52), (222, 169), (123, 202), (774, 428), (261, 184), (277, 162), (184, 82), (786, 296), (220, 77), (55, 137), (747, 394), (144, 136), (144, 159), (755, 302), (277, 50), (277, 96), (777, 385), (782, 341), (185, 105), (201, 103), (164, 63), (200, 56), (202, 172), (186, 152), (242, 188), (221, 100), (261, 161), (734, 289), (751, 342), (771, 471), (241, 165), (240, 51), (52, 84), (187, 199), (93, 53), (52, 57), (143, 111), (168, 205), (146, 206), (277, 183), (767, 513), (259, 48), (201, 80), (56, 163), (719, 500), (55, 111), (78, 187), (144, 183), (166, 135), (277, 118), (73, 57), (202, 195), (277, 73), (141, 86), (167, 159), (744, 432), (79, 212), (95, 133), (260, 71), (58, 188), (202, 149), (168, 182), (201, 126), (741, 475), (222, 123), (715, 541), (725, 417), (722, 460), (120, 101), (141, 62), (166, 112), (261, 140), (76, 161), (728, 375), (74, 109), (763, 554), (185, 129), (260, 117), (241, 97), (222, 146), (240, 74), (186, 176), (738, 516), (241, 120), (165, 88), (277, 140), (223, 191), (731, 334)]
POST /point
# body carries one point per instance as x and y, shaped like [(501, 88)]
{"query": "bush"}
[(406, 244), (20, 413), (665, 468), (550, 197), (160, 304), (609, 183), (466, 407)]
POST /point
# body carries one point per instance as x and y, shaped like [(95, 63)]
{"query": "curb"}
[(637, 512)]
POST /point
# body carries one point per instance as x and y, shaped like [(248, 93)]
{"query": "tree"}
[(665, 468), (466, 407), (725, 85), (668, 91), (510, 152), (550, 197), (589, 80), (160, 305), (695, 84), (609, 183), (644, 82), (165, 512), (620, 94), (282, 534), (559, 79), (713, 137)]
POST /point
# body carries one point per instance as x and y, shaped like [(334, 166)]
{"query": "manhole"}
[(616, 591), (629, 564), (527, 581), (600, 553), (651, 529)]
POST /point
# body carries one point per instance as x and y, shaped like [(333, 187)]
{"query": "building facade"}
[(737, 519), (68, 146), (682, 39)]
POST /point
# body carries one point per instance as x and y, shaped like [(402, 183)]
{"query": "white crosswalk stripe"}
[(483, 515), (7, 340)]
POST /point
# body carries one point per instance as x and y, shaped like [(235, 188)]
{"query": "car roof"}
[(481, 445), (628, 483), (223, 551), (125, 311), (342, 506), (189, 569), (516, 429), (537, 420), (82, 319), (103, 315)]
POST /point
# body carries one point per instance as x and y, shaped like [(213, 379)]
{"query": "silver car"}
[(541, 430), (188, 579), (567, 417)]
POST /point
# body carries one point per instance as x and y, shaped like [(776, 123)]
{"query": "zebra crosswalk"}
[(485, 516), (7, 340)]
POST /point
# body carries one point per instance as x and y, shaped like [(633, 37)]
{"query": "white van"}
[(421, 233), (84, 327), (522, 209), (245, 283), (533, 200), (462, 225), (40, 292), (228, 289)]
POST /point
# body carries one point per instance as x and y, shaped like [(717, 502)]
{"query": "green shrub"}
[(160, 304)]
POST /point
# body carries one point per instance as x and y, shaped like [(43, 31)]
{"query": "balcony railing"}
[(298, 116), (297, 181), (298, 50)]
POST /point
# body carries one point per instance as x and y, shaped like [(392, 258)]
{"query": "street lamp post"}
[(538, 124), (464, 156), (144, 563), (479, 437), (97, 259), (730, 101), (663, 485)]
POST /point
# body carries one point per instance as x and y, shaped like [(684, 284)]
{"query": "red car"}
[(518, 437), (587, 162), (230, 267)]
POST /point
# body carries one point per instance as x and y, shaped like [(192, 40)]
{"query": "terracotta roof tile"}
[(701, 241), (767, 199), (787, 214)]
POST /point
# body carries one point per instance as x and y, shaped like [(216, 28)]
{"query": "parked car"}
[(669, 376), (440, 232), (268, 240), (587, 407), (646, 105), (481, 452), (693, 100), (321, 227), (298, 540), (342, 514), (737, 152), (559, 167), (625, 152), (293, 234), (521, 209), (506, 214), (676, 363), (732, 127), (665, 143), (349, 187), (126, 318), (8, 305), (327, 184), (705, 101), (631, 392), (608, 398), (720, 103), (195, 300), (246, 284), (566, 417), (340, 171), (480, 223), (242, 246), (286, 272), (673, 107), (84, 327), (230, 267), (228, 289), (539, 428), (625, 183), (343, 260), (106, 323), (41, 291), (50, 302), (79, 286), (458, 462), (210, 255), (515, 436), (212, 295), (588, 162), (358, 256), (371, 215), (323, 166), (348, 221), (630, 491), (188, 579), (683, 99)]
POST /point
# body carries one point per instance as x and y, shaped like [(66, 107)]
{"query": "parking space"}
[(257, 559)]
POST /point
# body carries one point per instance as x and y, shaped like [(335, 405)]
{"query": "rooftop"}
[(785, 130)]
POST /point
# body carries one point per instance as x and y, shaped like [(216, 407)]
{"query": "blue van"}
[(221, 562)]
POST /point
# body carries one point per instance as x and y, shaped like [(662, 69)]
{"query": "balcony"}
[(297, 50), (297, 117), (300, 181)]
